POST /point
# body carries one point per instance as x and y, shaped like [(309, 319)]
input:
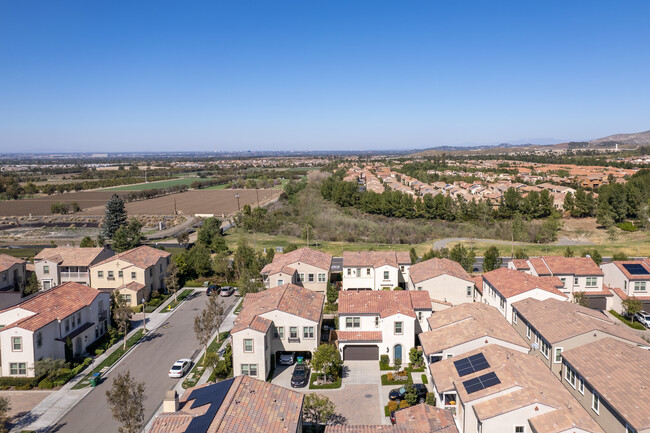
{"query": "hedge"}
[(634, 325), (424, 379), (9, 381)]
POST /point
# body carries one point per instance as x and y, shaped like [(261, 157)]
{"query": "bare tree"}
[(126, 400), (209, 321), (172, 281), (122, 314)]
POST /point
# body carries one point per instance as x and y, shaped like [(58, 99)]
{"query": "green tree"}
[(199, 261), (114, 216), (414, 255), (415, 357), (87, 242), (31, 286), (595, 256), (569, 203), (461, 255), (127, 236), (5, 407), (569, 252), (411, 396), (317, 409), (332, 293), (126, 400), (620, 257), (122, 314), (491, 259), (631, 306), (327, 361), (580, 298), (245, 259), (221, 265), (520, 253)]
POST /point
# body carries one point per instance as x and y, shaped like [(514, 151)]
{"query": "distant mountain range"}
[(637, 139)]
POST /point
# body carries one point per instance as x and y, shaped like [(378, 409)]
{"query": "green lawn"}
[(20, 252), (222, 186), (155, 185)]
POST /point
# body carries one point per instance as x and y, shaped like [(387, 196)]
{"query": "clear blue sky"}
[(311, 75)]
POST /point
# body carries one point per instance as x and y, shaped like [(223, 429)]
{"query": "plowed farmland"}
[(215, 202), (41, 205)]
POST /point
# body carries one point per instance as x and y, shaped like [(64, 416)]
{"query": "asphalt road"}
[(149, 362)]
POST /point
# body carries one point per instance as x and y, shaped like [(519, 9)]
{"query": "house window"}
[(502, 303), (419, 287), (401, 268), (570, 376), (545, 349), (581, 386), (595, 402), (376, 321), (39, 339), (575, 281), (592, 281), (248, 345), (629, 429), (639, 286), (46, 269), (133, 276), (279, 332), (120, 274), (420, 315), (558, 355), (469, 290), (18, 368), (368, 272), (322, 278), (520, 429), (111, 275), (349, 271), (127, 299), (280, 281), (293, 332), (100, 274), (249, 369), (301, 277), (17, 344), (399, 328), (563, 281), (311, 278), (386, 275), (308, 332), (352, 322), (528, 331), (536, 338), (67, 325)]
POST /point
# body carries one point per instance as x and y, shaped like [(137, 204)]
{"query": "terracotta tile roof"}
[(509, 282), (376, 259), (426, 418), (520, 264), (54, 304), (303, 255), (464, 323), (346, 428), (141, 257), (556, 265), (560, 320), (478, 283), (133, 285), (629, 276), (288, 298), (619, 373), (359, 335), (434, 267), (524, 381), (69, 256), (384, 302), (250, 405), (7, 261)]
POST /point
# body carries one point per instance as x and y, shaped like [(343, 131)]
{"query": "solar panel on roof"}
[(481, 382), (636, 269), (212, 395), (471, 364)]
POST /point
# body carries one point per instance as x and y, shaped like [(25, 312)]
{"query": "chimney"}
[(170, 403)]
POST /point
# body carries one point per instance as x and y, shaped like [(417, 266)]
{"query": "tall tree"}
[(122, 314), (87, 242), (461, 255), (414, 255), (172, 280), (126, 400), (5, 407), (327, 361), (114, 216), (318, 409), (632, 306), (32, 285), (492, 259), (128, 236)]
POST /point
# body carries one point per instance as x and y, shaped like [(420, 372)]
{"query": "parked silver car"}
[(643, 317)]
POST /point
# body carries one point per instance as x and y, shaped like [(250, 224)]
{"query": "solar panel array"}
[(636, 269), (212, 395), (481, 382), (471, 364)]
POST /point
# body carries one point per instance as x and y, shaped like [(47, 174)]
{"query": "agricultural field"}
[(154, 185), (41, 205)]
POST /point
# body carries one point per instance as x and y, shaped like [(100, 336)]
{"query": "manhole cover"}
[(368, 395)]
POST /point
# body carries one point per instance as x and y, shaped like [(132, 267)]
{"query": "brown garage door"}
[(597, 302), (361, 353)]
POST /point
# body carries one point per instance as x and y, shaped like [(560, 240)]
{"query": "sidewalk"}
[(56, 405)]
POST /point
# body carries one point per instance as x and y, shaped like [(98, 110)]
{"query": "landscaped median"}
[(173, 304), (197, 371), (331, 385), (110, 359)]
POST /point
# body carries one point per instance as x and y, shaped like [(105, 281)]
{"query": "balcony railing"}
[(294, 340), (74, 275)]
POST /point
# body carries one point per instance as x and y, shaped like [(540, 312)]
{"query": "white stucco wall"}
[(446, 288)]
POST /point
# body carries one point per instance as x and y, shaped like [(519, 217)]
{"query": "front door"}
[(47, 284), (397, 352)]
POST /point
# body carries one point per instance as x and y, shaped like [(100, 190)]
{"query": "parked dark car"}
[(300, 376), (287, 358), (213, 288), (399, 394)]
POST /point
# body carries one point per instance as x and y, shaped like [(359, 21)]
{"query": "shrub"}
[(46, 384), (99, 351), (431, 399), (627, 226), (20, 381), (389, 376), (424, 379), (384, 360), (392, 406), (24, 387), (403, 404)]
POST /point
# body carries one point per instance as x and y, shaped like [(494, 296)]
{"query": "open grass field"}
[(41, 205), (155, 185), (222, 186)]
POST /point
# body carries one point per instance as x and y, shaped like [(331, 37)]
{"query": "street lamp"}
[(238, 207)]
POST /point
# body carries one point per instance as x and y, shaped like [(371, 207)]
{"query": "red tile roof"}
[(434, 267), (426, 418), (54, 304), (629, 276), (384, 302), (359, 335), (303, 255), (7, 261), (510, 283), (70, 256), (141, 257), (556, 265), (288, 298), (376, 259), (520, 264), (133, 285)]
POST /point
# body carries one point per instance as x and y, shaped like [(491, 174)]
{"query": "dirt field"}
[(41, 205), (215, 202)]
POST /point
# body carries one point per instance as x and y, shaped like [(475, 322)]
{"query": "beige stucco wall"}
[(152, 277), (306, 269), (258, 356), (446, 288)]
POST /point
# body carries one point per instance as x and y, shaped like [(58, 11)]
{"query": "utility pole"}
[(257, 191), (238, 207)]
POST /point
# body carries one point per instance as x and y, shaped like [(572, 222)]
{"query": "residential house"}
[(238, 404), (628, 278), (445, 280), (285, 318), (502, 287), (134, 273), (551, 327), (40, 326), (375, 270), (421, 418), (466, 327), (609, 379), (495, 389), (303, 267), (12, 280), (578, 274), (54, 266), (374, 323)]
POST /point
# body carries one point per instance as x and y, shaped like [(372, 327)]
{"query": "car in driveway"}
[(399, 394), (237, 294), (643, 317), (179, 368), (300, 376), (213, 288), (287, 358), (226, 291)]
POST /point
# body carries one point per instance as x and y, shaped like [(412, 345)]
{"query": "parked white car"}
[(180, 367), (643, 317)]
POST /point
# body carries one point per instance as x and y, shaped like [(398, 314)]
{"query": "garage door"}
[(361, 353), (597, 302)]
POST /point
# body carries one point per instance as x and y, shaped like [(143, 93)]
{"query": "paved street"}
[(149, 362)]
